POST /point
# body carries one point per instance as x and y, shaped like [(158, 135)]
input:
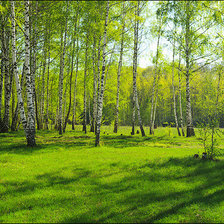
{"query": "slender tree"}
[(61, 75), (100, 100), (71, 75), (135, 63), (174, 94), (119, 71), (180, 98), (75, 85)]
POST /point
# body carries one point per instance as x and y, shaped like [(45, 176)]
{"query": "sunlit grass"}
[(127, 179)]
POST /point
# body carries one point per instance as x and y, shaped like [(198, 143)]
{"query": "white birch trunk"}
[(15, 71), (180, 98), (98, 76), (84, 97), (154, 80), (118, 75), (94, 86), (190, 128), (135, 64), (30, 104), (174, 96), (7, 83), (100, 100), (75, 86), (61, 78)]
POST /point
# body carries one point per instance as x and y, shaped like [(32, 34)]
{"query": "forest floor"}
[(127, 179)]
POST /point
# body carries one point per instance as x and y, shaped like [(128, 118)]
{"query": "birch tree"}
[(135, 63), (61, 76), (119, 70), (101, 92), (30, 104)]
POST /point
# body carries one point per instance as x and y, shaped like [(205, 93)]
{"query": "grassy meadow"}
[(127, 179)]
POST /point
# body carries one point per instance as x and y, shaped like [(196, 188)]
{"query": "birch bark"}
[(190, 128), (94, 86), (98, 76), (71, 75), (174, 96), (48, 77), (154, 79), (75, 86), (15, 71), (135, 64), (84, 97), (180, 98), (119, 72), (30, 105), (7, 84), (61, 77), (100, 100)]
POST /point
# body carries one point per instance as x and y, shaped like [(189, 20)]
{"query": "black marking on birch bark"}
[(30, 105), (61, 75), (135, 63), (74, 100), (15, 71), (100, 100), (190, 129), (94, 86)]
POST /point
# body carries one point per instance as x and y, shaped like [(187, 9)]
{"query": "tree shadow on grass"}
[(128, 192), (125, 141), (75, 143), (171, 202)]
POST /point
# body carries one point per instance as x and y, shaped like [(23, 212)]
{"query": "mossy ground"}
[(127, 179)]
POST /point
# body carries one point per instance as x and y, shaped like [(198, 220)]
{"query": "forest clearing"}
[(111, 111), (129, 179)]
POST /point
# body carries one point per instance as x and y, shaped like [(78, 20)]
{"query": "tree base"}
[(115, 128), (92, 128), (190, 131), (142, 131), (133, 130), (151, 132)]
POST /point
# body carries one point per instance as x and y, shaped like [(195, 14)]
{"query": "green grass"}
[(127, 179)]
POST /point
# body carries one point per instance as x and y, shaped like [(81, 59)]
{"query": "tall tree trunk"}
[(135, 64), (109, 64), (84, 97), (98, 77), (174, 96), (119, 74), (56, 120), (30, 104), (72, 65), (15, 118), (43, 81), (216, 115), (155, 104), (1, 78), (94, 87), (48, 77), (75, 86), (100, 100), (190, 128), (7, 84), (89, 111), (180, 98), (64, 104), (34, 65), (15, 71), (155, 78), (61, 76)]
